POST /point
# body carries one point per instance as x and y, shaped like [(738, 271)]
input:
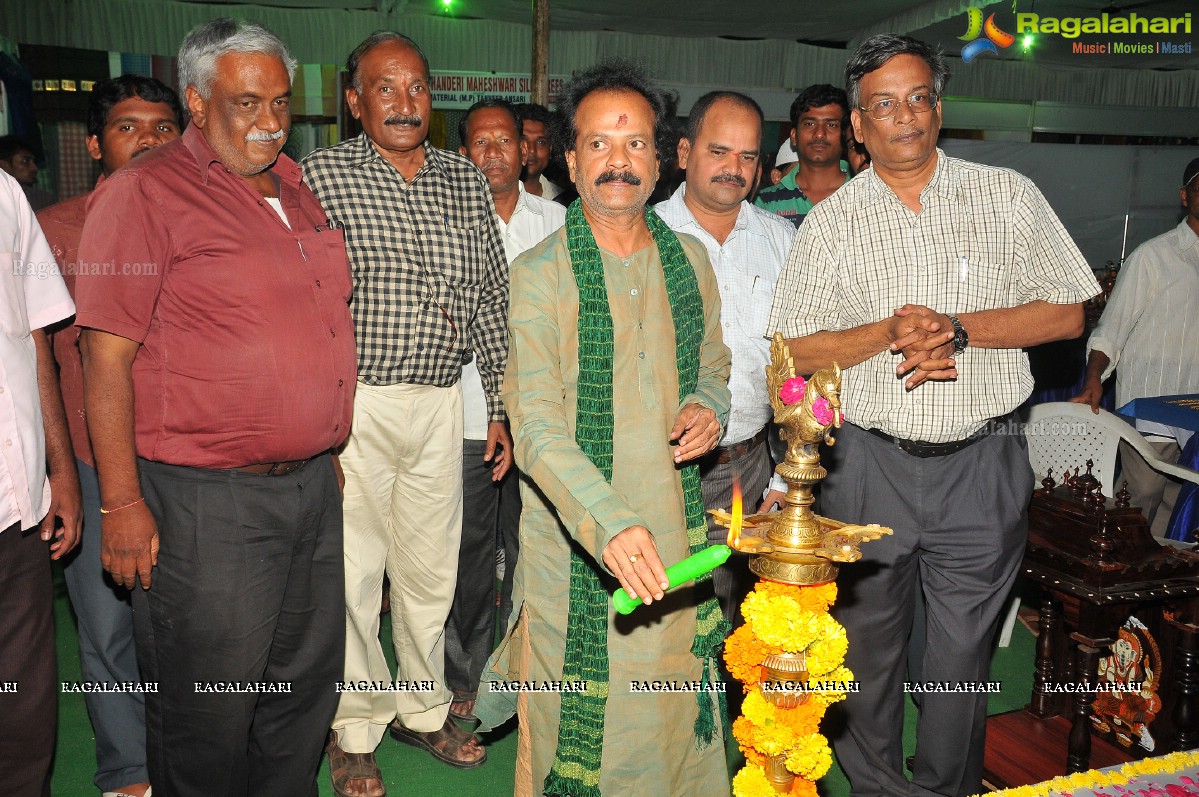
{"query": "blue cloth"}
[(1180, 411), (1185, 518)]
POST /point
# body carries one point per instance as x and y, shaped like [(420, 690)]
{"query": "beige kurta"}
[(649, 741)]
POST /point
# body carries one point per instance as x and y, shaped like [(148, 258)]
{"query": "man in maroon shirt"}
[(219, 368), (127, 116)]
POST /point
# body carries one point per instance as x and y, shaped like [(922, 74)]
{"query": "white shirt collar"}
[(677, 207)]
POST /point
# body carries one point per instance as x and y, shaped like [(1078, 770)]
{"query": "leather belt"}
[(273, 468), (726, 454), (924, 450)]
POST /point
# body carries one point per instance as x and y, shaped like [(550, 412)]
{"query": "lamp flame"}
[(735, 520)]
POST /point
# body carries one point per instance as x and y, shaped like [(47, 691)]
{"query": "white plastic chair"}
[(1061, 436)]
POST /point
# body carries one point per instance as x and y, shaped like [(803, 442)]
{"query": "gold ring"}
[(634, 558)]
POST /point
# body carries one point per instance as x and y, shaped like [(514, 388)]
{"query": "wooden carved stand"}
[(1098, 566)]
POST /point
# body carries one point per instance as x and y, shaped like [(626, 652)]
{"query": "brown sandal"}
[(463, 716), (359, 769), (450, 737)]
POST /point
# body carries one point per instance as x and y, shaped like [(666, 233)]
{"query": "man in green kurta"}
[(616, 383)]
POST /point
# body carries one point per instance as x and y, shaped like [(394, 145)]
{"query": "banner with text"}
[(460, 90)]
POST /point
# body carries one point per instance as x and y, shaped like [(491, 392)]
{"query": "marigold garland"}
[(783, 618), (744, 654), (751, 782), (1096, 779), (835, 686), (811, 599), (811, 758)]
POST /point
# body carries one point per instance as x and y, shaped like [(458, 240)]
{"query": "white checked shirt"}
[(984, 239), (32, 296), (1150, 327), (534, 219), (747, 267)]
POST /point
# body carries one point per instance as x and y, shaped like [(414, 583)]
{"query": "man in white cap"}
[(784, 162)]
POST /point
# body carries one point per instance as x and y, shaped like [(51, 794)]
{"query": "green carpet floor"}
[(408, 771)]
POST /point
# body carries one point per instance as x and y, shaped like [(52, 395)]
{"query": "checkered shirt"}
[(985, 239), (430, 279)]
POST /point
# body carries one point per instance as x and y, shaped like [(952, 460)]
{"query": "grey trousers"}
[(1155, 493), (470, 628), (249, 589), (107, 653), (960, 522)]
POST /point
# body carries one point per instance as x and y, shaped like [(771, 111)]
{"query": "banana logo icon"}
[(974, 24), (975, 27)]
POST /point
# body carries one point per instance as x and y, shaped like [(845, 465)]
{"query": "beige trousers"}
[(403, 514)]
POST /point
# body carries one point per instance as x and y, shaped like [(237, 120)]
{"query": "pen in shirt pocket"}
[(964, 271)]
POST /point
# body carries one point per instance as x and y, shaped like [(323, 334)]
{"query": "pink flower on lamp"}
[(822, 411), (792, 390)]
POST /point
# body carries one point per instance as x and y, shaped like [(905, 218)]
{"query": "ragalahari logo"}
[(993, 36)]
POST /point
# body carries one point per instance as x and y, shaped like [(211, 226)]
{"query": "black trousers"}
[(960, 523), (248, 595), (27, 664), (733, 580), (470, 628)]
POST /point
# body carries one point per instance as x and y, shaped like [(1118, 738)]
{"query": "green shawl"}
[(576, 768)]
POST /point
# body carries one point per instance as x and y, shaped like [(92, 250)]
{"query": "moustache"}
[(917, 130), (412, 120), (275, 136), (735, 179), (612, 177)]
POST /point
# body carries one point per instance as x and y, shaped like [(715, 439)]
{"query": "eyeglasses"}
[(922, 102)]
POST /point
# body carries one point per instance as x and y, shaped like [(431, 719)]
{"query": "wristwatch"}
[(960, 339)]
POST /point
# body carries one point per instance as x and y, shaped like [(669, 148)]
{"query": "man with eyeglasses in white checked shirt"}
[(924, 277)]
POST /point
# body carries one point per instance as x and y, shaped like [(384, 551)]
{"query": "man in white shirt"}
[(33, 436), (748, 246), (1149, 337), (491, 134)]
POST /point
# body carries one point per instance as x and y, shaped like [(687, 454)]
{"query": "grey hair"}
[(372, 41), (878, 50), (206, 43)]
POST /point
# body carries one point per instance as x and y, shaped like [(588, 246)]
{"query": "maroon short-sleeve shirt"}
[(62, 224), (247, 349)]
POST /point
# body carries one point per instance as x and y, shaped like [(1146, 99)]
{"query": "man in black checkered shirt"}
[(430, 289)]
